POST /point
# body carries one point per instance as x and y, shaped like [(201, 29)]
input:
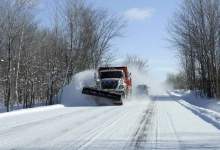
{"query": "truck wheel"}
[(118, 104)]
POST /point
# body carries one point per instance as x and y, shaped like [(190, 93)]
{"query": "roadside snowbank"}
[(207, 109), (193, 98), (30, 110), (72, 93)]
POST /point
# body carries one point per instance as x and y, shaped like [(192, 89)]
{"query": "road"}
[(156, 123)]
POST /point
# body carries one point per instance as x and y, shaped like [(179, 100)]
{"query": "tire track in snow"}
[(83, 126), (85, 121), (156, 130), (119, 134), (140, 136), (181, 144), (98, 133), (39, 122), (90, 136), (50, 137)]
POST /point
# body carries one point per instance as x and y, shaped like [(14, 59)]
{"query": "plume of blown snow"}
[(144, 77), (72, 93)]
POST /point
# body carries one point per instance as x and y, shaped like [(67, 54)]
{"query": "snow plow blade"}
[(100, 93)]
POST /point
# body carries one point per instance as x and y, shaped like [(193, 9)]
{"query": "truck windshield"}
[(109, 84), (111, 74)]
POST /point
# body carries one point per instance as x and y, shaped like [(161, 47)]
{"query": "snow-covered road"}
[(159, 123)]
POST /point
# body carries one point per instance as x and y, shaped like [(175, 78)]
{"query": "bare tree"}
[(36, 62), (137, 62), (195, 32), (89, 33)]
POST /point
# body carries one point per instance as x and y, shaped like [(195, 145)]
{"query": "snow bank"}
[(30, 110), (207, 109), (193, 98), (72, 93), (208, 115)]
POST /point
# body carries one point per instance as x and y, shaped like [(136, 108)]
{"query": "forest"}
[(195, 32), (37, 61)]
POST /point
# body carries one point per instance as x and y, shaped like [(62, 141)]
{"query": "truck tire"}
[(118, 104)]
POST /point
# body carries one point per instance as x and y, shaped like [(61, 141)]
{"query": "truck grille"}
[(109, 84)]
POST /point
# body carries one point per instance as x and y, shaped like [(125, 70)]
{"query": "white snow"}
[(144, 77), (173, 120), (30, 110), (194, 99), (159, 123), (178, 128), (72, 93), (207, 109)]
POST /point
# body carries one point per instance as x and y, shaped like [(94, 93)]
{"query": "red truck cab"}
[(126, 76)]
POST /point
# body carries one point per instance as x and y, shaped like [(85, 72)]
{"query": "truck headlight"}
[(121, 86)]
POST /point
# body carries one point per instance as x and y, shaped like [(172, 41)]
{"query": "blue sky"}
[(146, 32)]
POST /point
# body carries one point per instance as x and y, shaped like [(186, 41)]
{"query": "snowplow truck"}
[(113, 83)]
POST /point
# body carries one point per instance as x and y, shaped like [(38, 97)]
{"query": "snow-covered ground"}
[(160, 122), (207, 109), (18, 107), (165, 120), (194, 99)]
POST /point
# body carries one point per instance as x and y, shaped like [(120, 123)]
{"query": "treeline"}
[(137, 63), (176, 80), (36, 62), (195, 32)]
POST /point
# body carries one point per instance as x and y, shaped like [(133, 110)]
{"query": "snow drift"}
[(207, 109)]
